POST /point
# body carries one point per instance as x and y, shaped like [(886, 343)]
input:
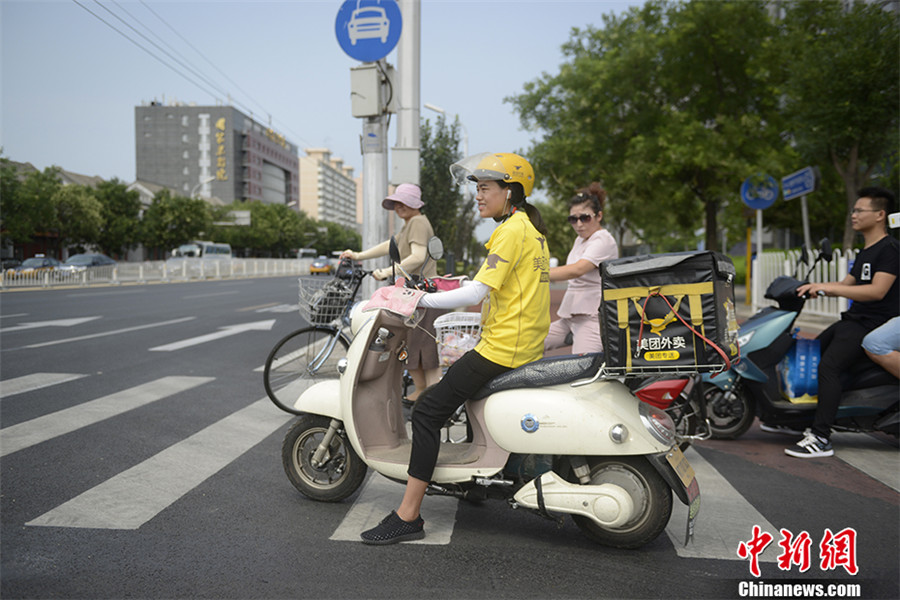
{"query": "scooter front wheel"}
[(651, 495), (730, 413), (341, 472)]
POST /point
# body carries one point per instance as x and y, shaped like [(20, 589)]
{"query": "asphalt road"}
[(141, 459)]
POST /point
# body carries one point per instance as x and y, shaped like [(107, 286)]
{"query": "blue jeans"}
[(885, 339)]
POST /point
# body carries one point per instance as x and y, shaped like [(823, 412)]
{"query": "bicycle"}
[(311, 354)]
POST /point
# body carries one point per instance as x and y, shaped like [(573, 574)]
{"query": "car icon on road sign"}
[(368, 30), (368, 22)]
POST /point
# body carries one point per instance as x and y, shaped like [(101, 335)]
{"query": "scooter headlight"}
[(745, 339), (658, 423)]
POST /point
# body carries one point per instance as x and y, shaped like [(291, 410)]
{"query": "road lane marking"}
[(23, 435), (116, 332), (210, 295), (35, 381), (726, 518), (223, 332), (258, 307), (379, 496), (869, 455), (135, 496), (56, 323)]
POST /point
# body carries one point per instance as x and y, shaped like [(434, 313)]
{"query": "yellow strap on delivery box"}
[(622, 295)]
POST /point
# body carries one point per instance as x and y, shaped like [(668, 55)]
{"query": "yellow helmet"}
[(488, 166)]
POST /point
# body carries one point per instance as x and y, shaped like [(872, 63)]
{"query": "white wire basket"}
[(323, 301), (456, 333)]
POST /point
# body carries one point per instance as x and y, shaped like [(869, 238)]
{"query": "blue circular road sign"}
[(368, 30), (759, 191)]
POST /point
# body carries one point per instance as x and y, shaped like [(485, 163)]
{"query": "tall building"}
[(214, 151), (327, 188)]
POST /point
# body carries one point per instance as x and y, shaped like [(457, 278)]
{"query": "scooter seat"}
[(864, 373), (544, 372)]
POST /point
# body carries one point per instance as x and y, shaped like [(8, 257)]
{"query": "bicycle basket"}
[(322, 302), (457, 333)]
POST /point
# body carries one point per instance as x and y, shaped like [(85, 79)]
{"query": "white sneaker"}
[(811, 446)]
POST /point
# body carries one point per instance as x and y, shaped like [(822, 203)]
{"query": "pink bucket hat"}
[(406, 193)]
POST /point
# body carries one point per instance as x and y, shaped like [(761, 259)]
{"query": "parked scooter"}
[(552, 436), (776, 378)]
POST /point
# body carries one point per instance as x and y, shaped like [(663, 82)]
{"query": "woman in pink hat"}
[(412, 240)]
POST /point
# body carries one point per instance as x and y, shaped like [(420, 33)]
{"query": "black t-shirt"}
[(883, 255)]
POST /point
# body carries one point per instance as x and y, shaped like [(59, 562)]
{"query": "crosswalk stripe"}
[(726, 518), (34, 381), (41, 429), (135, 496), (380, 496), (869, 455)]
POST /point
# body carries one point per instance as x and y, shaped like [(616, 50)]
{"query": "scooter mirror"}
[(826, 251), (804, 255), (435, 248), (394, 251)]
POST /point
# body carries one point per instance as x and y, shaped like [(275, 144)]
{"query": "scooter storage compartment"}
[(668, 313)]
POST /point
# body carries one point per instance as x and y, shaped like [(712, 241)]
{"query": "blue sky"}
[(69, 83)]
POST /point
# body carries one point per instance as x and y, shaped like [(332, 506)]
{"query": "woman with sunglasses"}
[(579, 310)]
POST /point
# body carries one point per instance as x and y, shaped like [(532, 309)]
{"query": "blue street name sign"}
[(760, 191), (800, 183), (368, 30)]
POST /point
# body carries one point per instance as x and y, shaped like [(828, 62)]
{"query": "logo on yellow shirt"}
[(493, 259)]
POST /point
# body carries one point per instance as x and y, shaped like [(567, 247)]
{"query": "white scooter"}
[(553, 436)]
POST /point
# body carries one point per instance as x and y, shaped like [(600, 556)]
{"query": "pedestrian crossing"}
[(130, 499)]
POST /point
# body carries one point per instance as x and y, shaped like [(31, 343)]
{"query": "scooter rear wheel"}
[(651, 495), (342, 472)]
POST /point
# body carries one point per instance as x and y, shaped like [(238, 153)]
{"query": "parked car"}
[(81, 262), (37, 264), (322, 264)]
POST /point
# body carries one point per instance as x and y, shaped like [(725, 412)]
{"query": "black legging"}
[(463, 379), (840, 345)]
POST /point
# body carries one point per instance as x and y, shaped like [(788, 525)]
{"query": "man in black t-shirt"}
[(873, 286)]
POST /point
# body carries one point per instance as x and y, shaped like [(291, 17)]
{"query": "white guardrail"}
[(188, 269), (774, 264)]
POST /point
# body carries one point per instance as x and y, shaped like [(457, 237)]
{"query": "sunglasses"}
[(583, 218)]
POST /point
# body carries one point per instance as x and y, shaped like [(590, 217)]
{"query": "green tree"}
[(78, 216), (170, 221), (26, 206), (669, 107), (121, 217), (842, 92), (450, 213)]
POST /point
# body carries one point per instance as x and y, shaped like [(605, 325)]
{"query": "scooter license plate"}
[(685, 472), (682, 467)]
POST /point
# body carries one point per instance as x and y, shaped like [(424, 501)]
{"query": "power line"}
[(113, 27), (184, 62)]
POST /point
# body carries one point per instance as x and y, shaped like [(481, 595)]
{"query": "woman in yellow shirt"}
[(515, 319)]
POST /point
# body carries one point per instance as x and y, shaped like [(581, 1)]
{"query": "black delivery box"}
[(668, 313)]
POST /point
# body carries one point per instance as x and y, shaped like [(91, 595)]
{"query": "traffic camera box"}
[(668, 313)]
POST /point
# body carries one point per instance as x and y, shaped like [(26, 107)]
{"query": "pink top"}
[(583, 293)]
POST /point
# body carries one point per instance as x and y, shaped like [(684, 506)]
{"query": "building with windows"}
[(214, 151), (327, 188)]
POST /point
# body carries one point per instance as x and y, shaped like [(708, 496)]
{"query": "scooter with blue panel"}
[(776, 378)]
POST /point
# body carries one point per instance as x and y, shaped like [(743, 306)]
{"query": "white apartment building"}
[(327, 188)]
